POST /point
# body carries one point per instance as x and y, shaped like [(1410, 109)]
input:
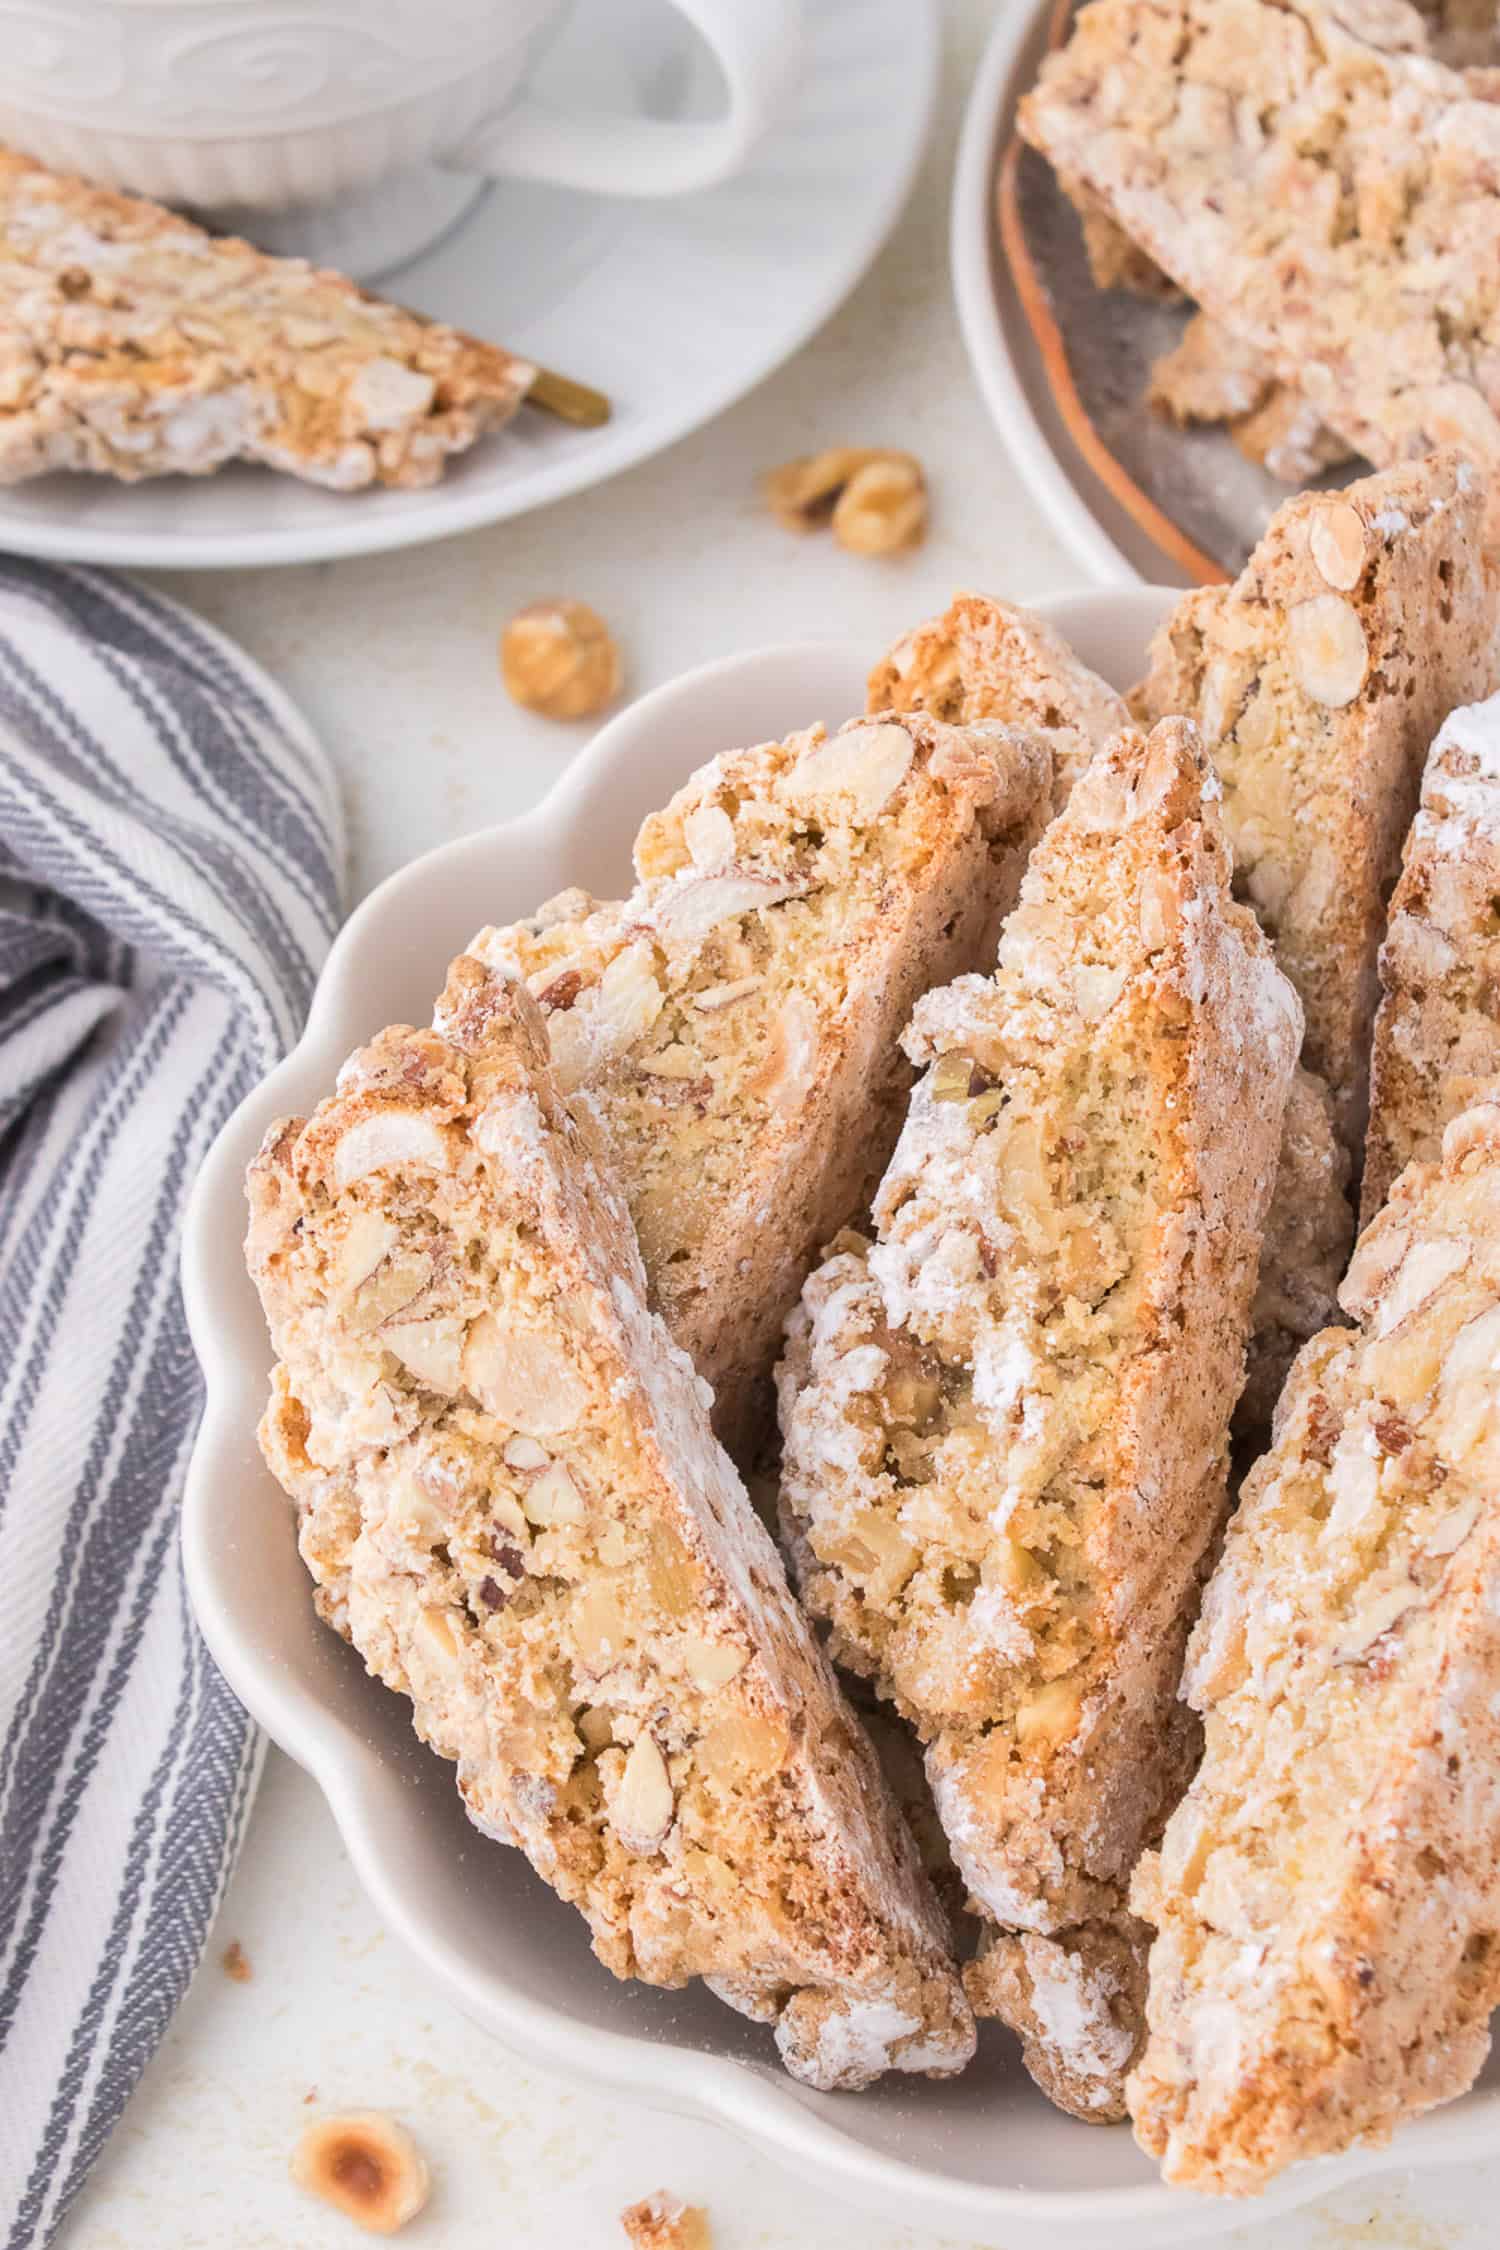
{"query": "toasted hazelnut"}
[(1329, 654), (665, 2222), (882, 510), (366, 2166), (560, 659)]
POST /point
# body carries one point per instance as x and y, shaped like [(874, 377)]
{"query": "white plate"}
[(1002, 352), (983, 2158), (674, 308)]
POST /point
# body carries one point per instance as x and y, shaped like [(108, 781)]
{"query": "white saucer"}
[(984, 2158), (674, 308)]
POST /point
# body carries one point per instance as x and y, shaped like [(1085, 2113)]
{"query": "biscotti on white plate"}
[(1005, 1420), (512, 1503), (1437, 1032), (134, 344), (1327, 1895), (732, 1026), (1317, 182)]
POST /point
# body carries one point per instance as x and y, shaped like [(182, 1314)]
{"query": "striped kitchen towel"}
[(170, 861)]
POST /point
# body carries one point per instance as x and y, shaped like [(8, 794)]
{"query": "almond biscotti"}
[(1437, 1032), (1317, 182), (1319, 680), (506, 1477), (136, 345), (1327, 1895), (987, 659), (733, 1026), (1004, 1420)]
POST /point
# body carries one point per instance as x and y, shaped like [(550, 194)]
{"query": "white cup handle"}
[(757, 43)]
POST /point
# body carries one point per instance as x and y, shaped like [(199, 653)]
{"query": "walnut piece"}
[(875, 498), (365, 2165), (560, 659), (882, 510)]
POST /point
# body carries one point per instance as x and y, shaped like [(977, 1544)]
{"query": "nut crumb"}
[(664, 2222), (236, 1963), (874, 498), (365, 2165), (560, 659)]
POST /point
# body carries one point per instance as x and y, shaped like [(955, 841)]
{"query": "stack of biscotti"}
[(513, 1504), (1005, 1419), (1319, 680), (1327, 1896), (1350, 265), (732, 1026)]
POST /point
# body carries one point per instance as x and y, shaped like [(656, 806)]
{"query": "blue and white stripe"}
[(170, 870)]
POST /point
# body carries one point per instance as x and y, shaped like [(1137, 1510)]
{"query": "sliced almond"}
[(791, 1059), (553, 1498), (713, 997), (432, 1349), (525, 1453), (673, 1061), (1327, 648), (712, 1664), (863, 766), (367, 1241), (521, 1376), (388, 1138), (1158, 910), (689, 908), (1374, 1620), (642, 1809), (1336, 542), (388, 1290)]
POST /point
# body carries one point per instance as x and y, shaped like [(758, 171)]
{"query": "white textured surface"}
[(394, 660)]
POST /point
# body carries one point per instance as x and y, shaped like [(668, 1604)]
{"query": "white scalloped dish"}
[(983, 2158)]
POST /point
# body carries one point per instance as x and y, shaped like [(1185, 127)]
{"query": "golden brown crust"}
[(508, 1483)]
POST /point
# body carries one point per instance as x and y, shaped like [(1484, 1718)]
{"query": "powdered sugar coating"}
[(962, 1399)]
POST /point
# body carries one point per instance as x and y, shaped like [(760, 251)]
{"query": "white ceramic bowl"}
[(983, 2158)]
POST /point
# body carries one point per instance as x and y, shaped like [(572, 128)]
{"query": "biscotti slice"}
[(1437, 1032), (1316, 181), (987, 659), (733, 1026), (1319, 680), (134, 344), (1005, 1420), (532, 1533), (1327, 1896)]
